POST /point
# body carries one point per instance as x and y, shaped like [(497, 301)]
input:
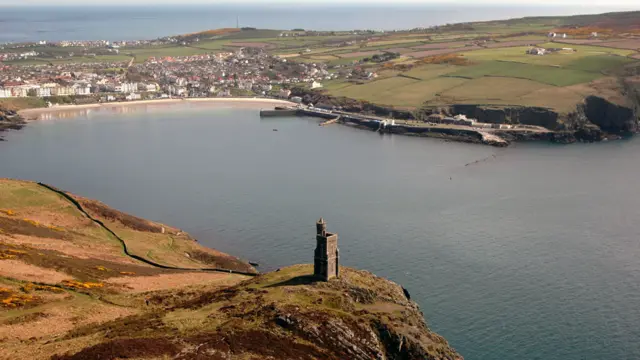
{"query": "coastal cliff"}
[(594, 119), (80, 280)]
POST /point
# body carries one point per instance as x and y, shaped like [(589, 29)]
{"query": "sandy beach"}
[(257, 103)]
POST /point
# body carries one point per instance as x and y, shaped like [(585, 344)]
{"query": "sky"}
[(583, 3)]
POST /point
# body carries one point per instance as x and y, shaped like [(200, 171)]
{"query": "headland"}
[(80, 280)]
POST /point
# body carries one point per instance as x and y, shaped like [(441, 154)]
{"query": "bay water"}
[(526, 252)]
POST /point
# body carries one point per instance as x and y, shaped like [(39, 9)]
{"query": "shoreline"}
[(32, 114)]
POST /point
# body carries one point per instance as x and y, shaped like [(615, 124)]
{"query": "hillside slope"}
[(69, 290)]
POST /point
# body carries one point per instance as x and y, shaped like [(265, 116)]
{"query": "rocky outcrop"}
[(609, 117), (285, 314), (10, 120), (351, 105), (509, 115)]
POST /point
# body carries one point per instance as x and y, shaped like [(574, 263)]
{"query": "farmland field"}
[(442, 45), (544, 74), (433, 52), (398, 91), (375, 91), (598, 63), (359, 54), (75, 59), (400, 42), (413, 95), (587, 50), (558, 98), (492, 90), (430, 71), (625, 44)]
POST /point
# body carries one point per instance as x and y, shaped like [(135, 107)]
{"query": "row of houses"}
[(9, 90), (16, 89)]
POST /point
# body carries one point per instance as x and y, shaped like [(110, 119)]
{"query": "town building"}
[(284, 93), (133, 97), (5, 93), (126, 87)]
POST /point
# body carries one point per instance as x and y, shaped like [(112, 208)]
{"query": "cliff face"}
[(593, 120), (509, 115), (611, 118)]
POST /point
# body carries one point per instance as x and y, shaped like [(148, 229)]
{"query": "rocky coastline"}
[(595, 119), (10, 120)]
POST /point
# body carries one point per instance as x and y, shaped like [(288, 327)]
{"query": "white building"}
[(316, 85), (43, 91), (284, 93), (151, 87), (133, 96), (82, 89), (5, 93), (127, 88), (63, 91), (177, 90)]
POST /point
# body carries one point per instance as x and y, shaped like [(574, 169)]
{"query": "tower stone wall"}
[(327, 254)]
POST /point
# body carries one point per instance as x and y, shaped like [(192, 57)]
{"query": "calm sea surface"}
[(34, 23), (531, 253)]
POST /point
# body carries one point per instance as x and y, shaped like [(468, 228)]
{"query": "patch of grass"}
[(430, 71), (254, 34), (375, 91), (542, 74), (589, 50), (492, 90), (210, 45), (600, 63), (73, 60), (22, 103), (413, 95), (345, 61)]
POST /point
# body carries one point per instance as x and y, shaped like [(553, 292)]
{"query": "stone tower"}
[(325, 264)]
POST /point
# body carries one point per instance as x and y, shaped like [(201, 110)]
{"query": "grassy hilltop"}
[(68, 290)]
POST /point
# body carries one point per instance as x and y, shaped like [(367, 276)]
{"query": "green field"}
[(430, 71), (75, 60), (396, 91), (493, 90), (543, 74), (599, 63)]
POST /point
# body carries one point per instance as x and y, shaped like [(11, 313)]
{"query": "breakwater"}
[(389, 126)]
